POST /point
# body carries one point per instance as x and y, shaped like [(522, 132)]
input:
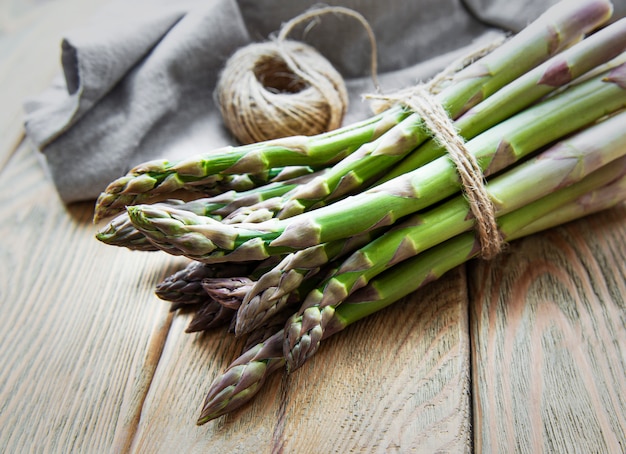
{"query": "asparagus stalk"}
[(184, 287), (588, 196), (216, 307), (556, 29), (228, 291), (273, 290), (163, 176), (210, 315), (607, 197), (562, 25), (207, 240), (585, 56), (563, 164), (121, 232), (266, 330), (144, 187), (245, 376), (526, 86)]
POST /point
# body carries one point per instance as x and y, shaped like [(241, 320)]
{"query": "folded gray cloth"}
[(138, 81)]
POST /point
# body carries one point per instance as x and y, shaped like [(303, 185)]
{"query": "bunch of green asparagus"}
[(292, 240)]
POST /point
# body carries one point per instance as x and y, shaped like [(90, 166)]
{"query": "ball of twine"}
[(283, 88), (261, 96)]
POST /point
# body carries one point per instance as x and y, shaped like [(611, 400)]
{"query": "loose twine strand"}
[(421, 100), (320, 11)]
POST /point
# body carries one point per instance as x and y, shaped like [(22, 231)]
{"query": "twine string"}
[(283, 87), (308, 73), (421, 100), (444, 132), (315, 13)]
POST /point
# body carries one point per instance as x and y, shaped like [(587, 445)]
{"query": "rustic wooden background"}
[(526, 353)]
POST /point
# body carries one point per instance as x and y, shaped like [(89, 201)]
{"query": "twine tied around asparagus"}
[(282, 87), (421, 100)]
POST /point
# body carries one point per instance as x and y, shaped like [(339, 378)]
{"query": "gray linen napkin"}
[(137, 83)]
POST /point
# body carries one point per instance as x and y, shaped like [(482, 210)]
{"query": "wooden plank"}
[(549, 342), (396, 382), (87, 334), (30, 49), (83, 334), (82, 331)]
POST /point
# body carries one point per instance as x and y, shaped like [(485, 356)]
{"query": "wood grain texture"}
[(82, 330), (97, 364), (396, 382), (92, 362), (549, 341)]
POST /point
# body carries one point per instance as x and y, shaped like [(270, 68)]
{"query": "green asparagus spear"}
[(121, 232), (163, 176), (207, 240), (245, 376), (591, 53), (271, 292), (131, 189), (601, 190), (564, 164), (556, 29), (526, 86)]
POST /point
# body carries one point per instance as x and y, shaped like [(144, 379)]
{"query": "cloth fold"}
[(137, 83), (140, 95), (93, 61)]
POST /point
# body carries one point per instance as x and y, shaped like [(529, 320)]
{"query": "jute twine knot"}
[(421, 99), (283, 88)]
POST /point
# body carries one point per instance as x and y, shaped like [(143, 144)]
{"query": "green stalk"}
[(501, 101), (132, 189), (562, 25), (122, 233), (291, 280), (243, 378), (272, 291), (563, 164), (555, 30), (558, 208), (240, 382), (592, 202), (563, 68), (207, 240), (163, 176)]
